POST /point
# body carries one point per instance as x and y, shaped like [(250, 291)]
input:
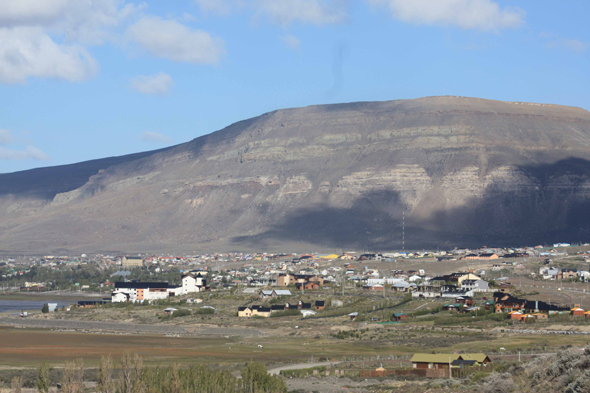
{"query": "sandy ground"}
[(329, 385)]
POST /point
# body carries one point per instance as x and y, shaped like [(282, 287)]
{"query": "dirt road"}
[(297, 366)]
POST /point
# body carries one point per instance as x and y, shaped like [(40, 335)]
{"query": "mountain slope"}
[(465, 171)]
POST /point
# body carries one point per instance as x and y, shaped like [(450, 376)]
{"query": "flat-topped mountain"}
[(463, 171)]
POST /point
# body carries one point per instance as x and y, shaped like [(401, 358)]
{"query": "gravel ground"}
[(328, 385), (125, 327)]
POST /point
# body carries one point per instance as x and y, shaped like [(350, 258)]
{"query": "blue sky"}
[(85, 79)]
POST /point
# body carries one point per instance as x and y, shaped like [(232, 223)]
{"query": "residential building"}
[(444, 361), (137, 291), (131, 261), (475, 285), (244, 312)]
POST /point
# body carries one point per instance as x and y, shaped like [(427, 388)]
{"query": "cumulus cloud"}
[(86, 21), (466, 14), (29, 52), (30, 153), (5, 137), (154, 137), (159, 84), (172, 40), (291, 41), (318, 12), (48, 38)]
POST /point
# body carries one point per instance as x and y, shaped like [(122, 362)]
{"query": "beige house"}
[(131, 262), (286, 280), (261, 312), (468, 276), (244, 312)]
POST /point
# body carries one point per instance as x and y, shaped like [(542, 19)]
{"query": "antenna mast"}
[(404, 231)]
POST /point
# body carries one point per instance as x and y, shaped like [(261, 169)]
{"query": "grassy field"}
[(28, 348)]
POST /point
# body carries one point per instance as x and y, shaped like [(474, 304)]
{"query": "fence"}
[(423, 372), (465, 371)]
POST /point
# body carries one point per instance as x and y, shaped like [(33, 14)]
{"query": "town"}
[(327, 298)]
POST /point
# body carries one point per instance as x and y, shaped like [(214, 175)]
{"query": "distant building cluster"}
[(137, 291)]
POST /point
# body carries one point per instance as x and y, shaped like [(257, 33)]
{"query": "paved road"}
[(297, 366)]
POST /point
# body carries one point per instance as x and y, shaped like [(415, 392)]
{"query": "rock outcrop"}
[(463, 171)]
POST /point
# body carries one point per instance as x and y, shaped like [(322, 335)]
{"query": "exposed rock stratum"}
[(463, 171)]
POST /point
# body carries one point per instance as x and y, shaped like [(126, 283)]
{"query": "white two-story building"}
[(136, 291)]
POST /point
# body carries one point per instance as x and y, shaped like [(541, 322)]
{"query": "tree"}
[(73, 377), (105, 375), (43, 381), (130, 379), (255, 379), (45, 308)]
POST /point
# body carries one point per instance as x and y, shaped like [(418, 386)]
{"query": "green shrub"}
[(286, 313), (181, 313), (205, 311)]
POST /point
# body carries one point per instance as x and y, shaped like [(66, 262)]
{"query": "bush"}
[(45, 308), (181, 313), (205, 311), (580, 384), (498, 383)]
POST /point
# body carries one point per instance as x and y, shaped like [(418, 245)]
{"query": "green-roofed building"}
[(480, 358), (443, 360), (398, 316)]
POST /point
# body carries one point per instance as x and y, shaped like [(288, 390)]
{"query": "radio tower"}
[(404, 231)]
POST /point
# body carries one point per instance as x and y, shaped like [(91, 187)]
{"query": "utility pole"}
[(450, 369)]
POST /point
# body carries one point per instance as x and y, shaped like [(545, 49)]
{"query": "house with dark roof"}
[(244, 312), (261, 312), (504, 302)]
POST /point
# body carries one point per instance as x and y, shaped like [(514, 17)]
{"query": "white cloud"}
[(174, 41), (186, 17), (573, 45), (576, 45), (149, 136), (31, 12), (318, 12), (83, 21), (48, 38), (30, 153), (466, 14), (5, 137), (291, 41), (159, 84), (29, 52)]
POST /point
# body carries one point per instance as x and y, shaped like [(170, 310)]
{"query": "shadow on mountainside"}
[(556, 208)]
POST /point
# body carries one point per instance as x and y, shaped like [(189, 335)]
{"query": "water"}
[(16, 306)]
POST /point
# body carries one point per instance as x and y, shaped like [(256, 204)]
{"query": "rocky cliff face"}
[(464, 171)]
